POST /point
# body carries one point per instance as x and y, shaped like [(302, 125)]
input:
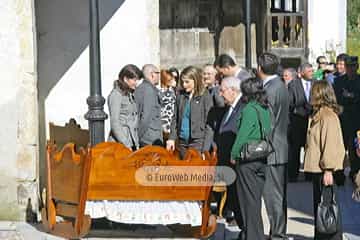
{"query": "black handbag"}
[(257, 149), (327, 214)]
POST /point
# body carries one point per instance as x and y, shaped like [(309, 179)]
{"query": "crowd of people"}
[(228, 106)]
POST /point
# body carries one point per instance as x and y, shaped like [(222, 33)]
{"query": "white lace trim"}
[(146, 212)]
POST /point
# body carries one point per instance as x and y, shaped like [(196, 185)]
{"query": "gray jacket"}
[(279, 104), (199, 122), (123, 118), (243, 74), (215, 94), (148, 102)]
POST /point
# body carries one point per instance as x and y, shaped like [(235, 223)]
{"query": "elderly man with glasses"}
[(149, 107)]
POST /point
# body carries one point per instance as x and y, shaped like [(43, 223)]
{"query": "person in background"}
[(209, 76), (149, 107), (225, 65), (288, 75), (340, 65), (347, 90), (356, 178), (122, 108), (329, 72), (230, 91), (299, 109), (189, 124), (322, 63), (218, 78), (217, 111), (253, 124), (334, 70), (324, 152), (175, 73), (168, 99), (275, 185)]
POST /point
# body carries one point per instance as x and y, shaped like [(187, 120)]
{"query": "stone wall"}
[(183, 47), (18, 105), (193, 32)]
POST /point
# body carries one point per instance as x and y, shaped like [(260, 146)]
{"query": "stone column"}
[(19, 109)]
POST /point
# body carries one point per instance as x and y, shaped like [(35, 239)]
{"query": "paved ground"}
[(300, 221)]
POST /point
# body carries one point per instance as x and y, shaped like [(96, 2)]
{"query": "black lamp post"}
[(95, 101), (248, 35)]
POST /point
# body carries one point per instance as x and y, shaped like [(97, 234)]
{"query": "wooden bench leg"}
[(208, 226), (205, 217), (222, 203)]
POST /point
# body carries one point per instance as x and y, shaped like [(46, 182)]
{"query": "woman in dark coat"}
[(190, 121)]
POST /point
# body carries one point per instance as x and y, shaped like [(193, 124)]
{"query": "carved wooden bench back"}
[(71, 132), (68, 170)]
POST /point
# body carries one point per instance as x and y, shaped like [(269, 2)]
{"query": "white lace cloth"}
[(146, 212)]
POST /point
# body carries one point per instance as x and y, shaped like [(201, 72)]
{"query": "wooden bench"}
[(107, 172), (221, 187)]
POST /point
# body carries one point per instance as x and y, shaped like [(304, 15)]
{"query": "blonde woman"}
[(189, 124), (324, 150)]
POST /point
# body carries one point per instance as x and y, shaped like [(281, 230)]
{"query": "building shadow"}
[(62, 36), (103, 228), (299, 237), (309, 221), (299, 197)]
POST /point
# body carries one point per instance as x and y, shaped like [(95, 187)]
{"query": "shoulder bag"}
[(257, 149)]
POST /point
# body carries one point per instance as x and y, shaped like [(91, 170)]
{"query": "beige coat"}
[(324, 142)]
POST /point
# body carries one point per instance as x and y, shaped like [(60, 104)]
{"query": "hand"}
[(346, 93), (170, 145), (328, 178), (232, 161)]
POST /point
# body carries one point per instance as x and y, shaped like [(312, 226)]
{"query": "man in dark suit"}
[(149, 106), (227, 67), (230, 91), (275, 183), (300, 109)]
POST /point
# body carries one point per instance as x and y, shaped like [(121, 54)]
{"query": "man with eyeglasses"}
[(230, 92), (149, 106)]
